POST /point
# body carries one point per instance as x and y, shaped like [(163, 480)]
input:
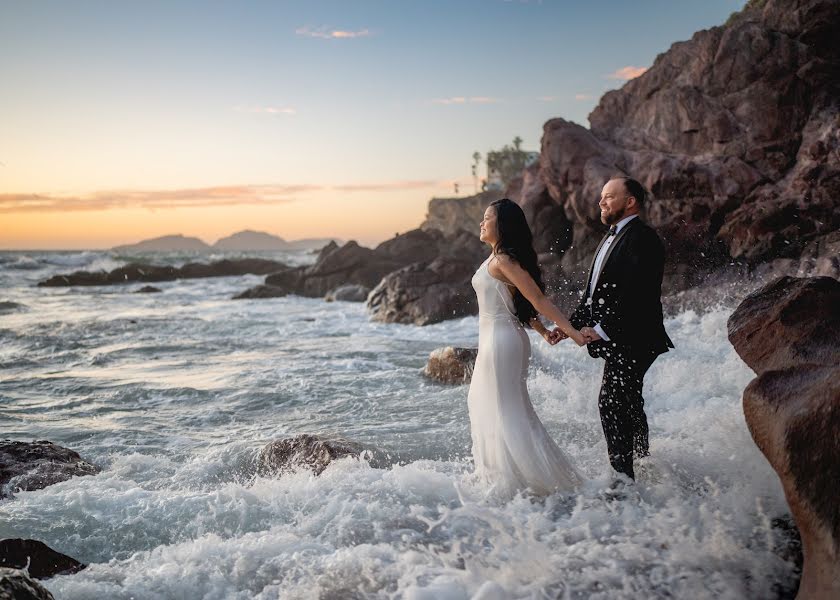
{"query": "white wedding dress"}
[(511, 447)]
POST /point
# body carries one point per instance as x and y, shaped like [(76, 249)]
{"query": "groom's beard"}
[(613, 217)]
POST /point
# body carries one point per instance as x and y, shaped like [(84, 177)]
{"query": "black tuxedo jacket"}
[(627, 298)]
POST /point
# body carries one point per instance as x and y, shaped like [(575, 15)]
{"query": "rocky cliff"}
[(735, 133)]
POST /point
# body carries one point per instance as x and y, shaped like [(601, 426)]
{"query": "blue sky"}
[(320, 101)]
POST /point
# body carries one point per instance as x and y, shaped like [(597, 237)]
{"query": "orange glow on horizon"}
[(366, 217)]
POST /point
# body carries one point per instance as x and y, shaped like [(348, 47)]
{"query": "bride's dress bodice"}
[(494, 298), (511, 448)]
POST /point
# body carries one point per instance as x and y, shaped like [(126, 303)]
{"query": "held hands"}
[(590, 335), (557, 335), (581, 338)]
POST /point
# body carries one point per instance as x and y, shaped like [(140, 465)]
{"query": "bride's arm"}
[(526, 285)]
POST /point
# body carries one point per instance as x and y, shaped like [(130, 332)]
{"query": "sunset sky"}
[(121, 121)]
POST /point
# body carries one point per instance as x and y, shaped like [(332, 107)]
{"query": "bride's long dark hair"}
[(516, 241)]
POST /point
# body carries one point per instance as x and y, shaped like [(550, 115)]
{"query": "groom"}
[(620, 315)]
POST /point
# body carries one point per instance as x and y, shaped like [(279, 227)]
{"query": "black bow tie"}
[(613, 230)]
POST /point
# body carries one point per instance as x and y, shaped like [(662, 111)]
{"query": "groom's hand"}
[(590, 335)]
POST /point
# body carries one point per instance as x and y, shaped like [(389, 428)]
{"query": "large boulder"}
[(425, 293), (451, 365), (34, 465), (788, 332), (16, 584), (40, 560)]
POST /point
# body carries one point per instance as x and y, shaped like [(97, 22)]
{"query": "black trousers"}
[(622, 405)]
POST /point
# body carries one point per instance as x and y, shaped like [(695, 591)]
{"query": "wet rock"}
[(355, 265), (303, 451), (348, 293), (425, 293), (15, 584), (145, 272), (789, 333), (34, 465), (262, 291), (42, 561), (451, 365), (148, 289)]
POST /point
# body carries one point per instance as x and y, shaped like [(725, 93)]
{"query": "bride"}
[(511, 447)]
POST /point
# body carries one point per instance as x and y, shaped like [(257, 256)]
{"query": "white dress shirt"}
[(596, 269)]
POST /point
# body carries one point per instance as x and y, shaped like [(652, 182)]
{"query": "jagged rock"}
[(307, 451), (262, 291), (355, 265), (34, 465), (451, 365), (348, 293), (425, 293), (15, 584), (42, 561), (143, 272), (788, 332), (148, 289)]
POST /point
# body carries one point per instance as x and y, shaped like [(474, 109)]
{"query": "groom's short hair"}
[(635, 189)]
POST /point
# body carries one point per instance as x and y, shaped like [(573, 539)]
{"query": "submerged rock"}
[(788, 332), (348, 293), (262, 291), (148, 289), (144, 272), (34, 465), (451, 365), (42, 561), (303, 451), (16, 584)]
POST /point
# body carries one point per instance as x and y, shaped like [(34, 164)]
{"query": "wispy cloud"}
[(583, 97), (193, 197), (627, 73), (466, 100), (154, 199), (267, 110), (388, 186), (328, 33), (547, 98)]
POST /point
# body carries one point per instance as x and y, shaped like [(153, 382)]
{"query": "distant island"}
[(241, 241)]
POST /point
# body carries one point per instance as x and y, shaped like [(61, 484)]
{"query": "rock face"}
[(451, 365), (43, 561), (17, 585), (306, 451), (143, 272), (736, 134), (452, 215), (789, 333), (34, 465)]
